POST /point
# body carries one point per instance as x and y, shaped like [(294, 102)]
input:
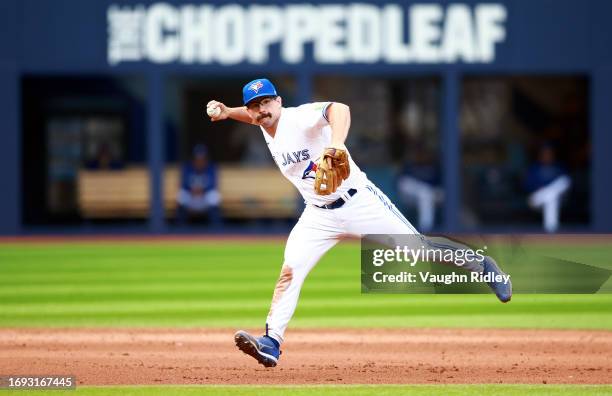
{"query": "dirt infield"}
[(376, 356)]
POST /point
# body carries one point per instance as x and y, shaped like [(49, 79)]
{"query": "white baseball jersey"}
[(301, 135)]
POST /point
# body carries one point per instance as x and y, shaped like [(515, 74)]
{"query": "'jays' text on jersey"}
[(301, 135)]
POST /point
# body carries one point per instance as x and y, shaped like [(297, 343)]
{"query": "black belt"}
[(338, 202)]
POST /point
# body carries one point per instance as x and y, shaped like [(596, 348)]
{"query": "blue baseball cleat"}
[(502, 290), (264, 349)]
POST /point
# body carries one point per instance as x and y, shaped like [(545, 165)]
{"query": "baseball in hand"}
[(213, 111)]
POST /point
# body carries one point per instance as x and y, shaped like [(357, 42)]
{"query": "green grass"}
[(352, 390), (230, 285)]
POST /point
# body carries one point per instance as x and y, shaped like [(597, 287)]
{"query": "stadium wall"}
[(68, 38)]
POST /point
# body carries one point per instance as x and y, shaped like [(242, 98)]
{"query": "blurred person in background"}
[(547, 181), (544, 170), (418, 185), (104, 159), (198, 196)]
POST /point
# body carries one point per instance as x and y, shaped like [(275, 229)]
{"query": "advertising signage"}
[(358, 33)]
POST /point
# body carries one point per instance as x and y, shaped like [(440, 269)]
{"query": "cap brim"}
[(261, 95)]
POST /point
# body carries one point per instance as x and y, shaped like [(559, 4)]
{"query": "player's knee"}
[(294, 259)]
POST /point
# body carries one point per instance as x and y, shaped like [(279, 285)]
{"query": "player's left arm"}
[(339, 118)]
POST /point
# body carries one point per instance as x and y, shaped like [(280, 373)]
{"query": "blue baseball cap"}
[(256, 89)]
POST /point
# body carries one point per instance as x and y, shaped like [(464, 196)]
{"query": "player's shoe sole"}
[(249, 345)]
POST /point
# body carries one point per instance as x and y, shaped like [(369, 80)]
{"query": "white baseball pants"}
[(369, 211)]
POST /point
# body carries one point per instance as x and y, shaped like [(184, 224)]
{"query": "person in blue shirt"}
[(198, 195), (545, 170)]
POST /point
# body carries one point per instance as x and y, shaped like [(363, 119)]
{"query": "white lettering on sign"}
[(231, 34), (303, 29), (125, 32), (266, 28), (195, 44), (364, 33), (161, 37)]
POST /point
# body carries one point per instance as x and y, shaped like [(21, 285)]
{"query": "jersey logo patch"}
[(311, 168), (256, 86)]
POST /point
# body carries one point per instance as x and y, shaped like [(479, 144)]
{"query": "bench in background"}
[(245, 193)]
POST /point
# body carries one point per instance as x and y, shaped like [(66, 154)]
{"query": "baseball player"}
[(307, 144)]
